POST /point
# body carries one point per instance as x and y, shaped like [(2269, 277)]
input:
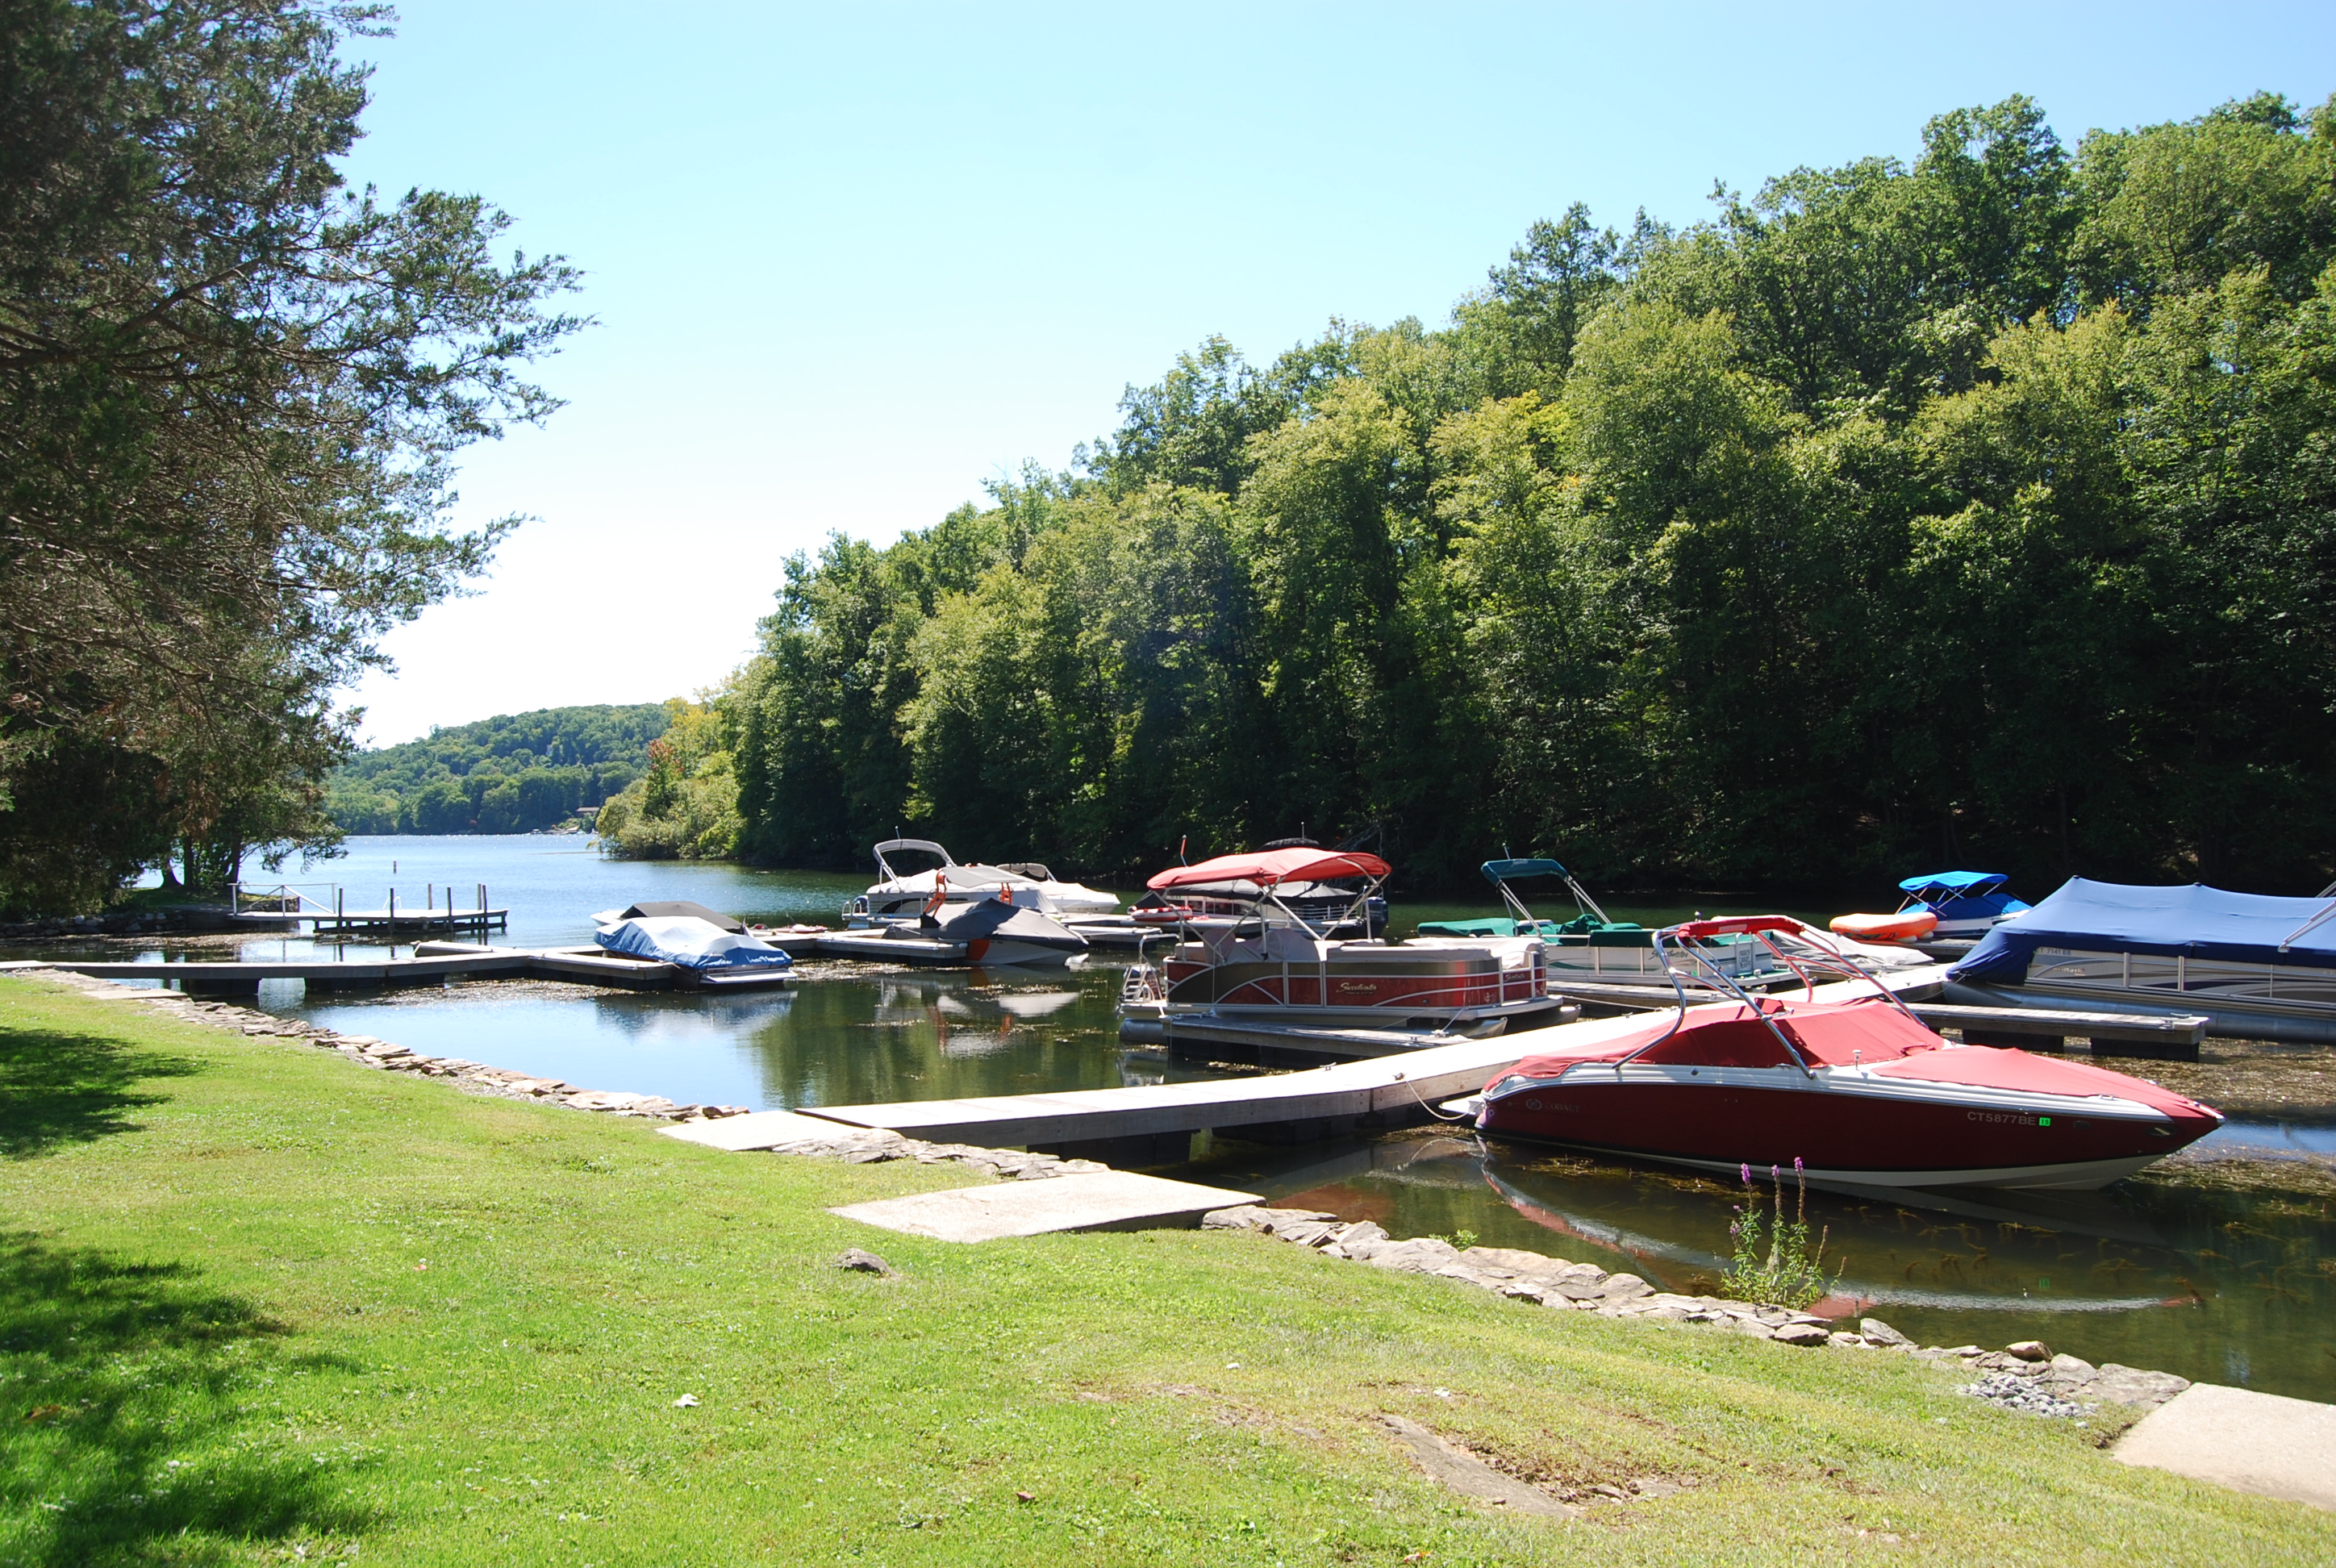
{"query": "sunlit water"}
[(2177, 1270)]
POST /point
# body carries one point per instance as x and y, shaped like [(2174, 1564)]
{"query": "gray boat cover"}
[(691, 942), (997, 920), (2194, 921), (655, 907)]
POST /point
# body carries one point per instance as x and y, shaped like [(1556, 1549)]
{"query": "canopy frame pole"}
[(1728, 982), (2322, 918), (1582, 898)]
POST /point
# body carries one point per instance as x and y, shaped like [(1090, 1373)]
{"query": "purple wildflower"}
[(1796, 1165), (1746, 1169)]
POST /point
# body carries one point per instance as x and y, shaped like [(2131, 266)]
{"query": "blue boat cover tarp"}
[(1510, 871), (1951, 881), (2197, 921), (691, 942)]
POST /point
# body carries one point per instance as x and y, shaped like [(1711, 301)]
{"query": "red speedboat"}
[(1861, 1092)]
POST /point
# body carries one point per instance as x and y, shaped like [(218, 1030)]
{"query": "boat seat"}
[(1739, 1042), (1288, 945)]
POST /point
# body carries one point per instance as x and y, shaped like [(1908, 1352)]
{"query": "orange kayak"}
[(1905, 926)]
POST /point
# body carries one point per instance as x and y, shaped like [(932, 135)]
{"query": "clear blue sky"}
[(849, 262)]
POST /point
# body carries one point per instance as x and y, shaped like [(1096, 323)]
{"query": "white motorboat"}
[(899, 894)]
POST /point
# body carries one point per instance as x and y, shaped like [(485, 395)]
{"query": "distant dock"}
[(331, 918)]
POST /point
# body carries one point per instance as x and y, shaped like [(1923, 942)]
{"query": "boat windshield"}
[(895, 848)]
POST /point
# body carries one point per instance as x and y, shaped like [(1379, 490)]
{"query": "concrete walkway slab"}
[(1105, 1201), (2262, 1442), (762, 1130)]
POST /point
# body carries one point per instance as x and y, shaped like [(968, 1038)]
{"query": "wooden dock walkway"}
[(1155, 1122), (432, 964), (1267, 1044)]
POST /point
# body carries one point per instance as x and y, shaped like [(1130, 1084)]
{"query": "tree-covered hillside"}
[(1980, 511), (511, 774)]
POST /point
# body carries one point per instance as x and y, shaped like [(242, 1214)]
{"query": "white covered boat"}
[(716, 958)]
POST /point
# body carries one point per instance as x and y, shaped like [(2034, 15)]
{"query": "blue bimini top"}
[(1954, 884), (2196, 921)]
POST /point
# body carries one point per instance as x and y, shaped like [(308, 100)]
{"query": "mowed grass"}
[(257, 1304)]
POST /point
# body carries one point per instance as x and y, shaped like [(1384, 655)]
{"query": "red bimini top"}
[(1268, 867), (1866, 1030)]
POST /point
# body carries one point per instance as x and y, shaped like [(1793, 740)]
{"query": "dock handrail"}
[(238, 891)]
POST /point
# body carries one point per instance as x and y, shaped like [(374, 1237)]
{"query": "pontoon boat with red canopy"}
[(1861, 1091), (1271, 962)]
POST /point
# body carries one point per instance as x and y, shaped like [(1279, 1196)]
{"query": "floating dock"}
[(351, 925), (1154, 1123), (1263, 1043), (2162, 1036), (275, 908), (2140, 1032)]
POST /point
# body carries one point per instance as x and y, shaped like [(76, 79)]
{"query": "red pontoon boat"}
[(1273, 962), (1861, 1091)]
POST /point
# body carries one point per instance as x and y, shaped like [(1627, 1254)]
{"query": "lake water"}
[(2222, 1269)]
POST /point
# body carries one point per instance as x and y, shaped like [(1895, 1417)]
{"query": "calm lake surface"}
[(2221, 1268)]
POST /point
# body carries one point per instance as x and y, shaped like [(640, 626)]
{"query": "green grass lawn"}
[(259, 1304)]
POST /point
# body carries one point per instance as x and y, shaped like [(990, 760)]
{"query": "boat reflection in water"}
[(2166, 1273)]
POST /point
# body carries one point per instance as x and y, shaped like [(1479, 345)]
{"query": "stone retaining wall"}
[(190, 920), (2024, 1377), (365, 1051)]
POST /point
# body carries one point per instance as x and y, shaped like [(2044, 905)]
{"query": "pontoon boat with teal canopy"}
[(1590, 925)]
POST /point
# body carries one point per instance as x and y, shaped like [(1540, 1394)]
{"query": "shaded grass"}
[(128, 1433), (444, 1329), (69, 1085)]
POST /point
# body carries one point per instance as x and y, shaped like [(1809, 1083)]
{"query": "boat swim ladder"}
[(1141, 984)]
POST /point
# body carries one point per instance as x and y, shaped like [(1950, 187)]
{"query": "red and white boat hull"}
[(1300, 978), (1851, 1126)]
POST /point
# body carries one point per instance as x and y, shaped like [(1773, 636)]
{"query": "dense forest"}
[(511, 774), (1974, 510), (1978, 509)]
